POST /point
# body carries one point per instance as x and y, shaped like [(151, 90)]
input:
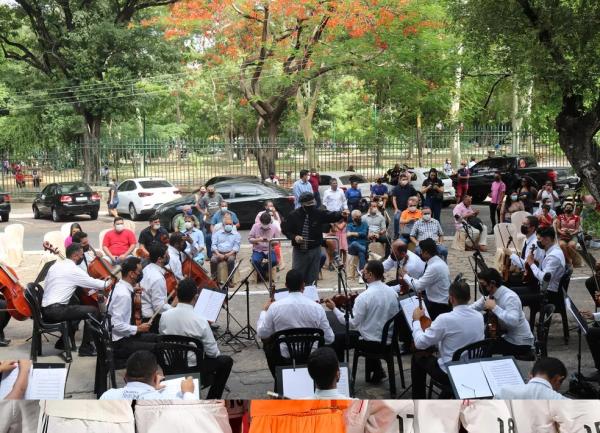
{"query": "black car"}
[(238, 177), (244, 197), (4, 206), (59, 200)]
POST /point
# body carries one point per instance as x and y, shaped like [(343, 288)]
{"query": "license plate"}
[(81, 199)]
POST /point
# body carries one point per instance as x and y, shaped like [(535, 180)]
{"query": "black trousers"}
[(503, 347), (215, 371), (73, 313), (435, 309), (423, 364), (592, 287), (125, 347), (593, 339), (4, 318), (494, 213)]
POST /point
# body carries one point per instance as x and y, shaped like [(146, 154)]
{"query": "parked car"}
[(246, 198), (344, 178), (419, 174), (4, 206), (513, 168), (142, 196), (59, 200), (240, 177)]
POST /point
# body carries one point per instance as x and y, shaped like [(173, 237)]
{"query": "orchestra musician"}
[(4, 319), (154, 295), (449, 332), (506, 306), (593, 339), (529, 228), (434, 281), (128, 337), (372, 309), (89, 254), (553, 262), (57, 302), (403, 258), (177, 246), (151, 234)]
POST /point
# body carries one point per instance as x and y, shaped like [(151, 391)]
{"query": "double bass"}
[(14, 294), (193, 270)]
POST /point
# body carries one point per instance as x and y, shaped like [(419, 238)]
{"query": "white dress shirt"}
[(120, 311), (554, 263), (154, 291), (141, 391), (175, 262), (536, 389), (450, 332), (435, 280), (88, 256), (63, 278), (335, 201), (329, 394), (414, 266), (518, 261), (372, 308), (511, 317), (183, 320), (293, 311)]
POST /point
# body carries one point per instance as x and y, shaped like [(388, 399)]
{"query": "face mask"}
[(540, 245), (404, 182), (412, 208), (568, 210), (373, 211), (265, 226), (223, 208), (228, 228), (513, 197), (524, 229), (78, 262), (189, 212), (426, 217), (189, 225), (309, 208), (155, 226), (357, 221), (497, 178), (139, 278), (166, 260), (484, 290), (86, 248), (119, 228)]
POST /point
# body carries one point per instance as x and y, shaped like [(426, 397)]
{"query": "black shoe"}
[(59, 345), (377, 377), (87, 350), (595, 377), (404, 349), (4, 342)]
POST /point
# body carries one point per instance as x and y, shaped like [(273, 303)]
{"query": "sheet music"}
[(343, 385), (209, 303), (571, 308), (501, 372), (297, 383), (7, 383), (173, 387), (470, 381), (46, 384), (409, 305), (309, 291)]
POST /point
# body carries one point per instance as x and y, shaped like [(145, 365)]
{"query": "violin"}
[(340, 300), (136, 311), (492, 326), (171, 281), (424, 320), (404, 288), (528, 277), (193, 270), (14, 294), (143, 254)]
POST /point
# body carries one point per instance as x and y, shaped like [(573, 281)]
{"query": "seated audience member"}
[(179, 222), (75, 227), (376, 225), (219, 216), (545, 216), (183, 320), (118, 243), (449, 332), (545, 379), (324, 369), (142, 381), (154, 233), (356, 232), (568, 226), (510, 205), (195, 247), (428, 228), (293, 311), (20, 386), (409, 217), (465, 214), (259, 236), (225, 246)]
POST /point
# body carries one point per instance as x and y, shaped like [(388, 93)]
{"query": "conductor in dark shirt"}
[(304, 227)]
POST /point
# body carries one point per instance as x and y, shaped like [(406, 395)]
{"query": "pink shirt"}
[(462, 211), (498, 187), (258, 232)]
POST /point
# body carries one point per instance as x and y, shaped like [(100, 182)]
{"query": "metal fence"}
[(190, 162)]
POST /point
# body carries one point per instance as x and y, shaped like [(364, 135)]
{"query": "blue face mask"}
[(189, 212), (228, 228)]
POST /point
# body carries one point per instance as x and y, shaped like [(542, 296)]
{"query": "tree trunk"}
[(455, 110), (516, 119), (419, 141), (306, 103), (528, 102), (91, 147)]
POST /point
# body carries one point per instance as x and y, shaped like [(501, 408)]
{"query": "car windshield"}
[(149, 184), (352, 178), (70, 188)]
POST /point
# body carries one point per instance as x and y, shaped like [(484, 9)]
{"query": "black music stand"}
[(248, 329), (229, 317)]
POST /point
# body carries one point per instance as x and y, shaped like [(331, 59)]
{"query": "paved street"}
[(250, 377)]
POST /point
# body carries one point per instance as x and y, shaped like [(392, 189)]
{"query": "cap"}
[(305, 197)]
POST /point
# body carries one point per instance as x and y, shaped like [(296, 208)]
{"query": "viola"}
[(528, 277), (14, 294), (193, 270), (136, 311), (340, 300), (424, 320), (171, 281), (143, 254), (492, 327)]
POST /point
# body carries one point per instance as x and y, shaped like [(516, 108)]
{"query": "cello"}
[(14, 294), (193, 270)]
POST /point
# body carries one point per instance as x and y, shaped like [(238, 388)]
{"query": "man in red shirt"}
[(313, 179), (119, 243)]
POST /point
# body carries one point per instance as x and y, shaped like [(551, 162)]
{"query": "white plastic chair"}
[(57, 240), (101, 238), (502, 234), (517, 218), (14, 244), (3, 243), (129, 225), (65, 229)]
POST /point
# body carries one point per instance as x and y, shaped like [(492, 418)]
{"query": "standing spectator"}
[(75, 227), (313, 179), (304, 227), (393, 175), (511, 205), (472, 162), (527, 194), (400, 195), (225, 246), (260, 235), (409, 217), (104, 174), (548, 195), (462, 183), (496, 197), (353, 196), (198, 196), (301, 186), (377, 226), (567, 227), (35, 174), (119, 243), (433, 190), (270, 209), (428, 228), (210, 203), (357, 233), (272, 178), (448, 168), (179, 221), (379, 192), (463, 212), (113, 198), (334, 198), (338, 229), (218, 216), (20, 179)]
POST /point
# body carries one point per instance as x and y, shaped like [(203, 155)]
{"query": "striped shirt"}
[(427, 230)]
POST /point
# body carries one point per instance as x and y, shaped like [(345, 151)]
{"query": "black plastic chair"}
[(33, 295), (477, 350), (383, 351), (106, 361), (300, 343), (541, 342), (558, 300), (173, 358)]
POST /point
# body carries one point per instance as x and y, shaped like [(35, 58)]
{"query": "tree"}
[(557, 43), (81, 53)]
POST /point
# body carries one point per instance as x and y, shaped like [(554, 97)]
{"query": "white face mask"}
[(189, 225), (265, 226), (412, 208), (223, 208), (426, 217), (513, 197), (156, 226), (119, 227), (228, 228)]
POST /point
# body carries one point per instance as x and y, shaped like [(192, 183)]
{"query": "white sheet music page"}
[(8, 380), (209, 304), (47, 384), (501, 372), (173, 387), (343, 385), (470, 381), (409, 305), (297, 383)]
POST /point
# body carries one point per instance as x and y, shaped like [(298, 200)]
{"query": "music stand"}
[(229, 317), (581, 328)]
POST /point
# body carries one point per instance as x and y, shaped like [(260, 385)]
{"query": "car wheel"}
[(94, 215), (4, 217), (132, 212), (36, 213), (55, 215)]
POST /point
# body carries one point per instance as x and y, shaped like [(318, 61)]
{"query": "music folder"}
[(581, 322), (296, 383), (209, 303), (484, 377), (47, 381), (172, 384)]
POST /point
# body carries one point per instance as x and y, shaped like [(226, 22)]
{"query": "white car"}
[(418, 175), (344, 178), (142, 196)]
